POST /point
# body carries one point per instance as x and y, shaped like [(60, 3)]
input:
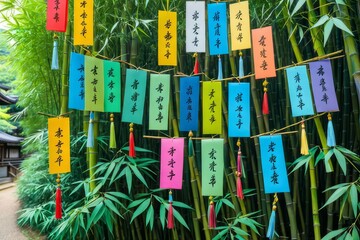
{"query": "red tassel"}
[(239, 189), (265, 104), (58, 208), (170, 217), (196, 66), (132, 152), (212, 217)]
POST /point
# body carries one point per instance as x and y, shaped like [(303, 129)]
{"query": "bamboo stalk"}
[(64, 72)]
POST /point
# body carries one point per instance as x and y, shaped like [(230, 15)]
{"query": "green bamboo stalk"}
[(64, 72), (196, 226), (93, 152)]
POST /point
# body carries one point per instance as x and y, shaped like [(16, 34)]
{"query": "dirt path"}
[(9, 204)]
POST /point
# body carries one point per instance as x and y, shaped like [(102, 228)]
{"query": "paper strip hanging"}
[(195, 26), (239, 110), (217, 25), (159, 101), (240, 25), (56, 15), (263, 52), (323, 86), (77, 81), (211, 102), (112, 86), (59, 145), (299, 91), (189, 103), (273, 164), (171, 163), (167, 38), (212, 167), (84, 23), (134, 99), (94, 84)]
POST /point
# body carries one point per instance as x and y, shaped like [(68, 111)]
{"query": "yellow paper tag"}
[(240, 26), (167, 38), (212, 115), (84, 22), (59, 145)]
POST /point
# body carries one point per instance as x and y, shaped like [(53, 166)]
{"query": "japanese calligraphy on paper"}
[(159, 101), (195, 26), (167, 38), (189, 103), (77, 81), (84, 22), (94, 84), (212, 110), (56, 15), (240, 25), (239, 110)]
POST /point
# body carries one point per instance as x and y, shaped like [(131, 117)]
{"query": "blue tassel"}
[(220, 73), (331, 142), (90, 139), (170, 197), (55, 55), (271, 228), (241, 66)]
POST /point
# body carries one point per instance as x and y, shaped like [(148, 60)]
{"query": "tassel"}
[(220, 71), (272, 221), (112, 143), (90, 139), (170, 216), (131, 142), (196, 65), (304, 143), (241, 65), (55, 55), (58, 208), (212, 217), (190, 145), (239, 190), (331, 142), (265, 104)]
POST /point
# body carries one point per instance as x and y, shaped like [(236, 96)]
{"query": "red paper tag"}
[(56, 17)]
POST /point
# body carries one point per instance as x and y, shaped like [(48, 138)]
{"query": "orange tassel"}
[(170, 216), (212, 217), (265, 104), (196, 65), (58, 207), (132, 152)]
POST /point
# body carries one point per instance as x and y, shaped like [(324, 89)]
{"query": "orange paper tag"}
[(59, 145), (167, 38), (84, 22)]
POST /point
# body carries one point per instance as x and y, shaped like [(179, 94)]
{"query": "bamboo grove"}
[(109, 195)]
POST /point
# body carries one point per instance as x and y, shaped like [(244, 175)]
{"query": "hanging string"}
[(220, 70), (211, 213), (265, 104), (58, 205), (90, 139), (304, 149), (196, 65), (239, 189), (170, 216), (132, 152), (112, 142), (55, 54), (272, 221), (330, 138), (241, 65)]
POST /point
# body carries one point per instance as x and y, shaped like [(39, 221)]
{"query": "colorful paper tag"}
[(84, 22), (171, 163), (134, 99), (77, 81), (159, 101), (189, 103), (112, 86), (299, 90), (273, 164), (323, 86), (212, 167), (94, 84), (167, 38), (56, 15), (195, 26), (240, 25), (217, 25), (263, 52), (239, 110), (59, 145), (212, 110)]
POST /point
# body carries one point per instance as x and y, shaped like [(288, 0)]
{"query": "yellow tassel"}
[(304, 142)]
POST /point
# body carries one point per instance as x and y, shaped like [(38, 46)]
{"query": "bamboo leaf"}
[(355, 233), (138, 174), (136, 203), (96, 215), (321, 21), (239, 231), (298, 5), (336, 195), (178, 216), (301, 161), (337, 186), (112, 207), (341, 160), (162, 215), (327, 30), (339, 24), (140, 209), (181, 204), (150, 217), (249, 222), (342, 204), (354, 198), (221, 234), (333, 234), (120, 195), (128, 178), (319, 157), (228, 203)]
